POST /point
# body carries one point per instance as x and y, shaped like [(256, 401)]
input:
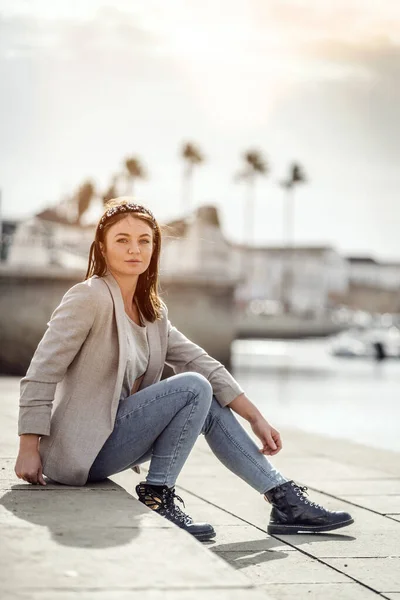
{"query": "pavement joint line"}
[(301, 550), (320, 560), (82, 528), (142, 588), (372, 495), (363, 557), (31, 487), (313, 583)]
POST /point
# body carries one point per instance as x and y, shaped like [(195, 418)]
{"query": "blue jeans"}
[(162, 422)]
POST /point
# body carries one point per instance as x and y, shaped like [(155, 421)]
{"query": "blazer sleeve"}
[(184, 355), (66, 331)]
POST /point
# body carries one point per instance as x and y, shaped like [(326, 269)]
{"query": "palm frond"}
[(192, 154), (135, 168), (256, 162)]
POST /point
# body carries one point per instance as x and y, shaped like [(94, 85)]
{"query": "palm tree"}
[(112, 191), (296, 176), (133, 170), (255, 165), (192, 156), (83, 198)]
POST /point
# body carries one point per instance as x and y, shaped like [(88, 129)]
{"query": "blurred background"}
[(265, 135)]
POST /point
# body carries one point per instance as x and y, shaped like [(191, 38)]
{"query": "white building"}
[(196, 247), (315, 276), (47, 239), (365, 271)]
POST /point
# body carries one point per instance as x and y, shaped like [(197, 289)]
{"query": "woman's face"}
[(128, 246)]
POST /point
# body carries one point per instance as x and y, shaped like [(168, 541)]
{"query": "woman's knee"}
[(199, 384)]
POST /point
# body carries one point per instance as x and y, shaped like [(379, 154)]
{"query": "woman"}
[(100, 363)]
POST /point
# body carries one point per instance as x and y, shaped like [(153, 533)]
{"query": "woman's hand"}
[(29, 467), (269, 437)]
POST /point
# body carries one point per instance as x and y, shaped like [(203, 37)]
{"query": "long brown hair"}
[(147, 292)]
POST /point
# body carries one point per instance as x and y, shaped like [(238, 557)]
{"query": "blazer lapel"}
[(121, 328)]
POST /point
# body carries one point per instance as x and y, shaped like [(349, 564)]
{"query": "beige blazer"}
[(71, 391)]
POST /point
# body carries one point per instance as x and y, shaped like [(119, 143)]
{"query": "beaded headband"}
[(120, 208)]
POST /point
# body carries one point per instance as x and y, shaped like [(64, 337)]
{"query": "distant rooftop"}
[(279, 249), (52, 216), (207, 214), (367, 260)]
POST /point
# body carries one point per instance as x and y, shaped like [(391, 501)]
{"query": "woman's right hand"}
[(29, 467)]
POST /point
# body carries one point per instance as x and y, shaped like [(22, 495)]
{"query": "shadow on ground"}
[(99, 517), (255, 552)]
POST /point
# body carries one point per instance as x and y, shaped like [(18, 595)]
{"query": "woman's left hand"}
[(269, 437)]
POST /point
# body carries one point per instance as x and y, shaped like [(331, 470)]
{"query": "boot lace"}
[(169, 497), (301, 492)]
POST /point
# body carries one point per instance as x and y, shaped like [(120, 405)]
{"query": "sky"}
[(85, 83)]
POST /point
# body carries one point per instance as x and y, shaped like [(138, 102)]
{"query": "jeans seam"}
[(180, 441), (153, 400), (233, 440)]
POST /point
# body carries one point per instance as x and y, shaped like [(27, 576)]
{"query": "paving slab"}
[(385, 504), (325, 469), (343, 451), (382, 574), (373, 535), (267, 567), (59, 540), (317, 591), (135, 594), (366, 487), (331, 545), (249, 548), (104, 510), (116, 557), (232, 537)]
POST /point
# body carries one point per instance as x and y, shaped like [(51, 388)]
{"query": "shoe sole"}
[(292, 529), (204, 537)]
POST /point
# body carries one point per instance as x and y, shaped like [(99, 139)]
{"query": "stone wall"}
[(199, 308)]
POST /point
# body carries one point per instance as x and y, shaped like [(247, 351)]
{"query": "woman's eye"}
[(146, 241), (122, 240)]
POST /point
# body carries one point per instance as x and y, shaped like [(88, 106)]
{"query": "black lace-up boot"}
[(292, 512), (161, 500)]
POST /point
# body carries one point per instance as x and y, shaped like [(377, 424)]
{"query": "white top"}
[(138, 357)]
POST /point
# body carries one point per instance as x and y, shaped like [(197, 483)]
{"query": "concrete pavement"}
[(99, 542), (96, 542)]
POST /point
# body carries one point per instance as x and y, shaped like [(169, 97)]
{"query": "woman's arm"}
[(184, 355), (268, 435), (67, 329), (28, 465), (245, 408)]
